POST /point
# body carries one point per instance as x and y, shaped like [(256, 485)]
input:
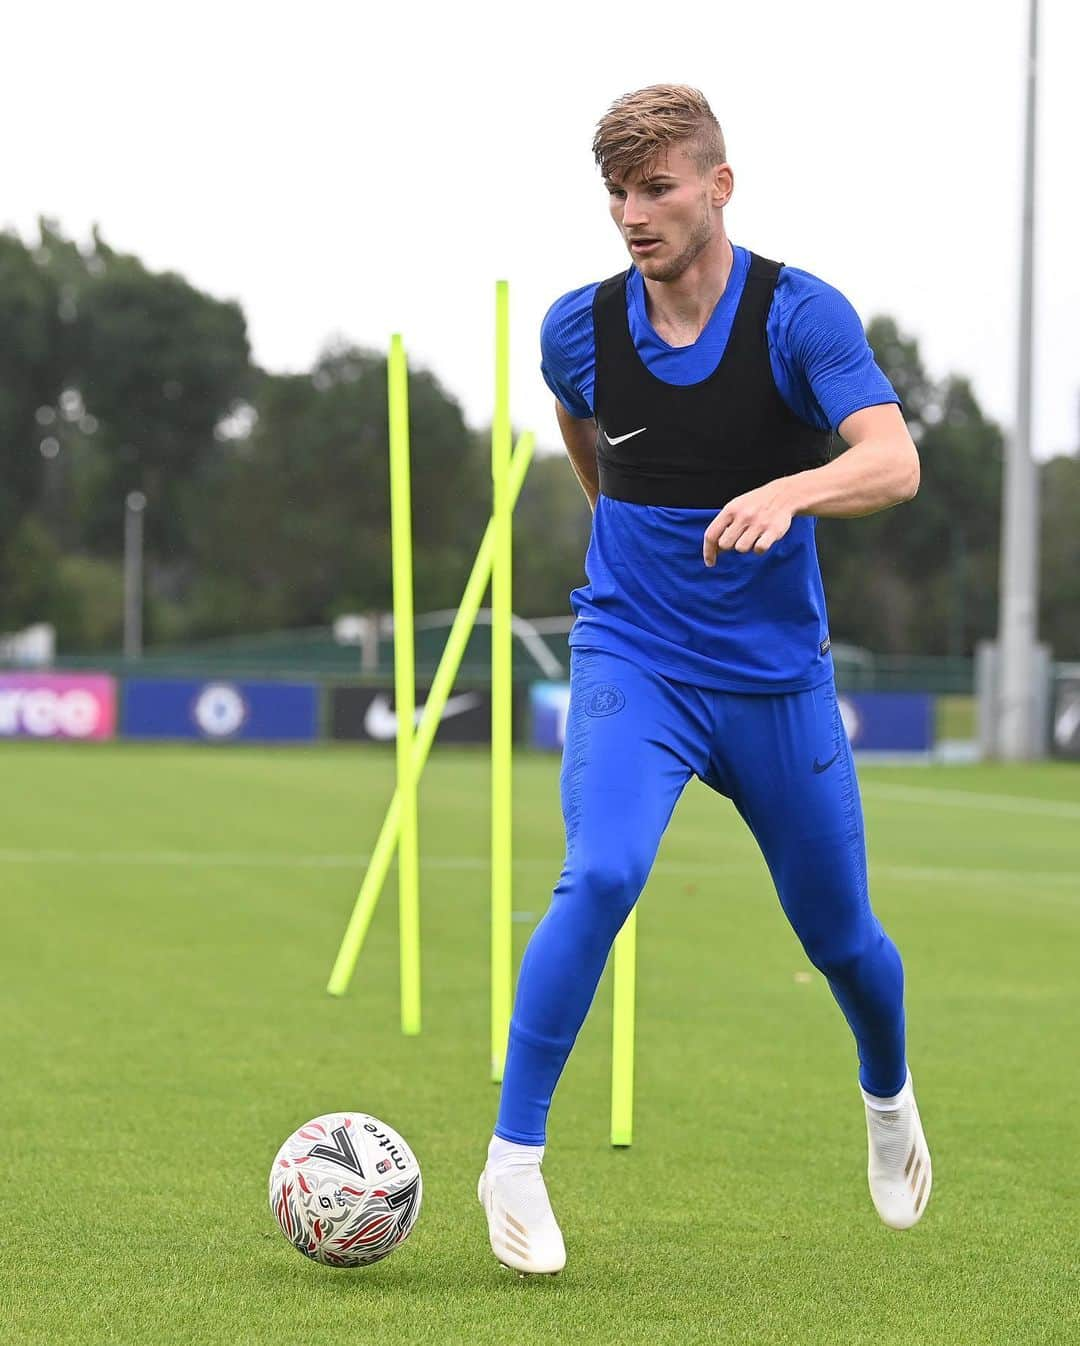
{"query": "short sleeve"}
[(816, 338), (568, 351)]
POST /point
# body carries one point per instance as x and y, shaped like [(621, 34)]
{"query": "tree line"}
[(269, 495)]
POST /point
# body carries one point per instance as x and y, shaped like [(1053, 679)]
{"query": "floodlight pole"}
[(134, 505), (1018, 737)]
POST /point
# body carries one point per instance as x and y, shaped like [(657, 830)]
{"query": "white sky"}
[(357, 169)]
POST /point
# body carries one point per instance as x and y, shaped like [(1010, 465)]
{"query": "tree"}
[(33, 358), (161, 366), (298, 527), (551, 532), (269, 494), (1059, 587), (922, 578)]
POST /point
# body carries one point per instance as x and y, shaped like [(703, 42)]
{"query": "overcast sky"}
[(356, 169)]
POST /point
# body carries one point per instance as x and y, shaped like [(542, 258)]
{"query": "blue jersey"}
[(753, 622)]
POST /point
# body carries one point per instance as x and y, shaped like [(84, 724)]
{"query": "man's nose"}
[(634, 212)]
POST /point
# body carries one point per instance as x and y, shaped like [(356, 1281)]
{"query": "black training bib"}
[(695, 447)]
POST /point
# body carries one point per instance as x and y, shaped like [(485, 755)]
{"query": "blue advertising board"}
[(876, 722), (548, 704), (220, 711), (888, 722)]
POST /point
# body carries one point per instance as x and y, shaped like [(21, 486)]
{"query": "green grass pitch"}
[(170, 915)]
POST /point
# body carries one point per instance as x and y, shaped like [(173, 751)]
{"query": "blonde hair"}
[(638, 127)]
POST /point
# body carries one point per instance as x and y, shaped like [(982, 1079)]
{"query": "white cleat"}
[(899, 1163), (521, 1225)]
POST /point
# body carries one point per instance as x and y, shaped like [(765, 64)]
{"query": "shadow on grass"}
[(407, 1272)]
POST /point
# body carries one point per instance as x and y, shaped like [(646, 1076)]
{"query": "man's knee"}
[(839, 955), (611, 883)]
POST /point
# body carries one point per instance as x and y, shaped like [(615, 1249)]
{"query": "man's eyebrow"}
[(653, 177)]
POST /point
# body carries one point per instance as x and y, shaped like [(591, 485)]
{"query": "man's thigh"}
[(787, 765), (633, 739)]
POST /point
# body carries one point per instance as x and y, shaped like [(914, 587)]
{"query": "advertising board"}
[(368, 714), (889, 722), (220, 711), (1065, 734), (57, 705)]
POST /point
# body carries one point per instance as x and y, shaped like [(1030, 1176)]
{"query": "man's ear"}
[(723, 184)]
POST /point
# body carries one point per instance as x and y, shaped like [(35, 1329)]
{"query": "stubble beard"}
[(695, 246)]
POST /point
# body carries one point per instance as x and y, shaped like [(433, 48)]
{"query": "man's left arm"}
[(879, 469)]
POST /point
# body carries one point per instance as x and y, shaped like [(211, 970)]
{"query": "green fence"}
[(315, 654), (540, 651), (860, 671)]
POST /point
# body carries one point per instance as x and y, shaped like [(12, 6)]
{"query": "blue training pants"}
[(633, 740)]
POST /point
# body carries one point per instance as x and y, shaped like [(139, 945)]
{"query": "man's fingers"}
[(740, 534), (757, 537), (710, 542), (727, 532), (751, 522), (737, 535)]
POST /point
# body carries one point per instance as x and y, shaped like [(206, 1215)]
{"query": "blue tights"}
[(633, 740)]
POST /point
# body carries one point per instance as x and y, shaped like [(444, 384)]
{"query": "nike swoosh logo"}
[(1067, 724), (381, 722), (620, 438), (819, 767)]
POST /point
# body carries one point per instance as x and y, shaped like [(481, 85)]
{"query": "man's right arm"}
[(568, 363), (580, 439)]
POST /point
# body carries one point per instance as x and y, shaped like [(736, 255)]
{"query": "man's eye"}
[(616, 192), (659, 189)]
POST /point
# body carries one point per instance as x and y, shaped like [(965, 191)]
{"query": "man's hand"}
[(750, 522), (879, 469)]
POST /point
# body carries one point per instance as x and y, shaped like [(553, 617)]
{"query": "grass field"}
[(956, 718), (169, 920)]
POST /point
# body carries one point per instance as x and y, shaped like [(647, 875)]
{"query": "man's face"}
[(668, 214)]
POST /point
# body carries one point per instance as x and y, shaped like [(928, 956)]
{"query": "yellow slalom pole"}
[(622, 1034), (456, 642), (502, 724), (404, 687)]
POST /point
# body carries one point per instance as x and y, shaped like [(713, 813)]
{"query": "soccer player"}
[(698, 393)]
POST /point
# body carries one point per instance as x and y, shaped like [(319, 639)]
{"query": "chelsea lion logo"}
[(604, 700), (220, 710)]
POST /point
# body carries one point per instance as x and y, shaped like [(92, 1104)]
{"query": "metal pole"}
[(1018, 613), (502, 691), (369, 644), (133, 573)]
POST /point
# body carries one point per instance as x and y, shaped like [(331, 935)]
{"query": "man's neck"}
[(680, 309)]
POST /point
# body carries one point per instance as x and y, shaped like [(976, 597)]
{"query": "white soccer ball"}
[(345, 1189)]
